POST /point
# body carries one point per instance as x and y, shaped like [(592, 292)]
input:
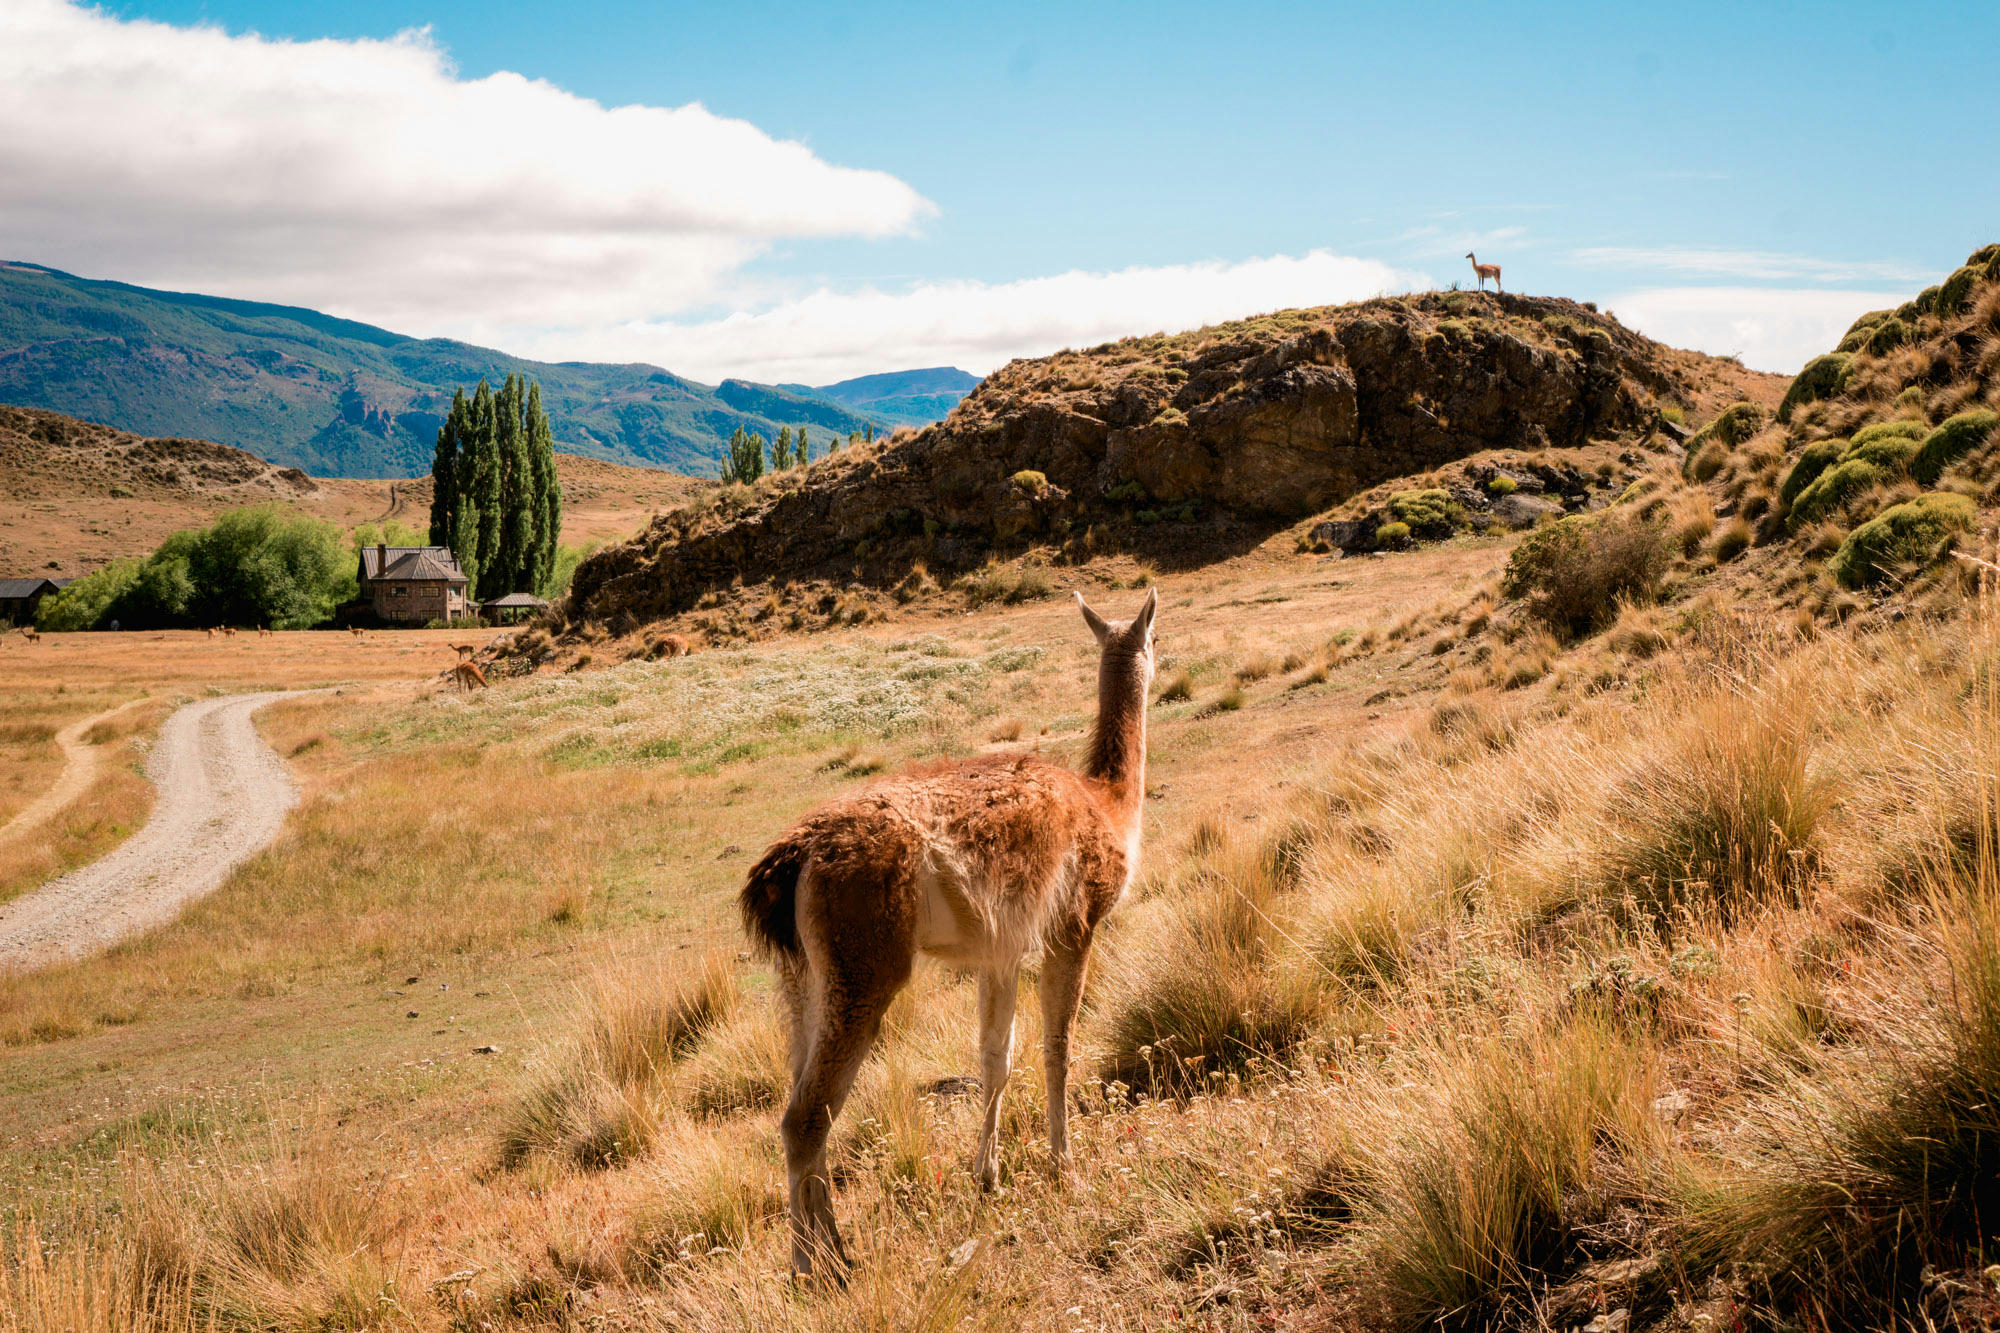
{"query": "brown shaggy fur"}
[(468, 674), (981, 864)]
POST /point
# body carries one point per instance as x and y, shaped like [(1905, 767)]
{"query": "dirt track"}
[(222, 796)]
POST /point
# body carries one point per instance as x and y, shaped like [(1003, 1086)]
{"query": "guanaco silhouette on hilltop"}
[(982, 864), (1484, 271)]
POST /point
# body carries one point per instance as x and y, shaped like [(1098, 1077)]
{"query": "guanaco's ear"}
[(1092, 619), (1143, 622)]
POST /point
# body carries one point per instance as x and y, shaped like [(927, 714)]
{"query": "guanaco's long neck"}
[(1118, 743)]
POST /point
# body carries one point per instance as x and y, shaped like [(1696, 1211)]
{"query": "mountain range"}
[(339, 398)]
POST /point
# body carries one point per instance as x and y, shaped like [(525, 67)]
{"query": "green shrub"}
[(1733, 426), (1816, 459), (1882, 430), (1891, 453), (1951, 441), (1501, 485), (1823, 377), (1835, 487), (1392, 534), (1857, 333), (1887, 336), (1983, 256), (1955, 290), (1031, 481), (84, 603), (1431, 512), (1573, 573), (1899, 536), (1926, 301)]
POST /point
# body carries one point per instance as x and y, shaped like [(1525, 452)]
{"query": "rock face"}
[(1166, 444)]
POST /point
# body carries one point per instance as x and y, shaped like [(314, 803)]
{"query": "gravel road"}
[(222, 796)]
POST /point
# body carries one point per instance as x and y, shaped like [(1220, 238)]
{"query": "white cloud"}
[(1761, 264), (830, 335), (1770, 328), (367, 178)]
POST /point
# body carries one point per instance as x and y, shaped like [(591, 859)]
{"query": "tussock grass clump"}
[(1725, 812), (1956, 437), (1902, 536), (1179, 689), (1392, 534), (1815, 459), (596, 1105), (1428, 513), (1574, 574), (1711, 445), (1204, 984), (1479, 1198), (1956, 290), (1830, 493), (1823, 377)]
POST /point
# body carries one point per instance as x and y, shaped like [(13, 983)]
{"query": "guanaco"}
[(355, 630), (1484, 271), (672, 645), (31, 634), (211, 631), (263, 631), (981, 863), (464, 650), (467, 673)]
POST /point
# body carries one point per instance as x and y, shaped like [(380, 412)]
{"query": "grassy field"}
[(1470, 978)]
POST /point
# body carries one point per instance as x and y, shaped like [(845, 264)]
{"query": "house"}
[(514, 606), (20, 597), (412, 585)]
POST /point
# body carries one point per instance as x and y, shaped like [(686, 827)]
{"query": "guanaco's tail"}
[(769, 900)]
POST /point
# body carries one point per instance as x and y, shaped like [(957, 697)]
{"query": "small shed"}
[(20, 597), (514, 606)]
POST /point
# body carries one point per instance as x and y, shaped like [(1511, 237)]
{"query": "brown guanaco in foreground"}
[(982, 864)]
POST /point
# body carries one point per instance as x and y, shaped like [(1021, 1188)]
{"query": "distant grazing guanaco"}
[(229, 631), (211, 631), (1484, 271), (983, 864), (355, 630), (467, 673), (464, 649), (263, 631), (674, 645), (31, 634)]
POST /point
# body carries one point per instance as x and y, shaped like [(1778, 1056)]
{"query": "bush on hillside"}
[(1835, 487), (1573, 574), (1983, 256), (1882, 430), (1926, 301), (1911, 533), (1891, 453), (84, 603), (1887, 336), (1823, 377), (1816, 459), (1710, 445), (1955, 290), (1951, 441), (1868, 321), (1501, 485), (1430, 513), (1392, 534)]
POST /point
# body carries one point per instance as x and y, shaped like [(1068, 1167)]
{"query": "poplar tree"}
[(481, 487), (547, 494), (781, 450), (746, 457), (513, 562), (802, 448), (444, 461)]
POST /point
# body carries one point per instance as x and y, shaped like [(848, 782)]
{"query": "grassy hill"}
[(339, 398), (903, 397)]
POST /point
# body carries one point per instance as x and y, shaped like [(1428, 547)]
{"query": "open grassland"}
[(1508, 985)]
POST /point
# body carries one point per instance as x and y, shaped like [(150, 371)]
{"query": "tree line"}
[(745, 461), (495, 500)]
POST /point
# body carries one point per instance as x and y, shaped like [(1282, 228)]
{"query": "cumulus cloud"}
[(367, 178), (829, 335), (1770, 328)]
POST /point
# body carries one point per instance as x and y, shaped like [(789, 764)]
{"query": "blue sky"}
[(1743, 178)]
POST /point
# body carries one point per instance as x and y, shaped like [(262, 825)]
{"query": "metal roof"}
[(421, 567), (15, 589), (516, 599), (375, 558)]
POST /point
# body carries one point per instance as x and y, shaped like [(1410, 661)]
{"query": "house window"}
[(399, 592)]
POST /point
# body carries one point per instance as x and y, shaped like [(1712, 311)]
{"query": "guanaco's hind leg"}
[(844, 1031), (1063, 968), (997, 991)]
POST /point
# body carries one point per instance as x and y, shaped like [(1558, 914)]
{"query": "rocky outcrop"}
[(1170, 445)]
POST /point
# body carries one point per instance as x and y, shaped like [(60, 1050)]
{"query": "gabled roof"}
[(376, 559), (423, 567), (12, 589), (516, 599)]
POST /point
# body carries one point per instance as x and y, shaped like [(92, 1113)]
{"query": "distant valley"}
[(339, 398)]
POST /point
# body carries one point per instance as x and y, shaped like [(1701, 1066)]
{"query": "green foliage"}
[(563, 569), (1882, 430), (1954, 291), (1127, 492), (1887, 336), (1823, 377), (1956, 437), (1899, 536), (1833, 489), (781, 449), (1430, 512), (1926, 301), (1501, 485), (258, 566), (1573, 573), (1868, 321), (745, 462), (1392, 534), (495, 499), (1030, 481), (1732, 427), (1891, 453)]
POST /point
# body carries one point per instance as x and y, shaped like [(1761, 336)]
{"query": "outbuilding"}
[(20, 597)]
